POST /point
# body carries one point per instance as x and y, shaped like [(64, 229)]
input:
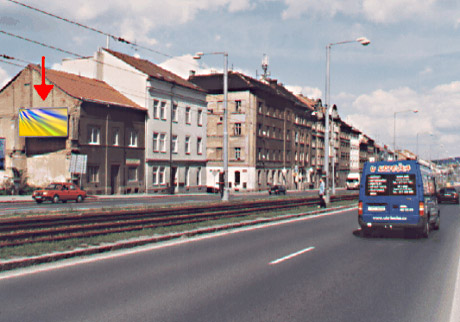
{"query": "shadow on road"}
[(388, 234)]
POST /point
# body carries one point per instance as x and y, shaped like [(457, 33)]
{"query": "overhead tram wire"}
[(139, 94), (41, 44), (114, 37)]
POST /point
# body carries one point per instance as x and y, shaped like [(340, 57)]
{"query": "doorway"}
[(114, 179)]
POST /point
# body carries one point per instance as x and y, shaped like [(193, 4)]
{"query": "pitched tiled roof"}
[(153, 70), (238, 81), (87, 89)]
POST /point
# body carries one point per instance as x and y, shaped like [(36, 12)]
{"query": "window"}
[(237, 129), (132, 174), (156, 109), (237, 153), (187, 144), (155, 142), (163, 111), (161, 176), (288, 135), (260, 107), (238, 106), (237, 178), (94, 135), (174, 144), (188, 115), (187, 176), (93, 174), (116, 137), (198, 176), (200, 118), (174, 113), (155, 175), (390, 185), (259, 129), (132, 138), (163, 142), (199, 146)]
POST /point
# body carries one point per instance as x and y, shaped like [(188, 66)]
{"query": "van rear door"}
[(390, 198)]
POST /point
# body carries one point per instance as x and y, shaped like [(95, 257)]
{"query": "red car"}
[(59, 191)]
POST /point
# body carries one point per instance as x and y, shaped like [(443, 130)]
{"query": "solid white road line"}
[(455, 310), (282, 259)]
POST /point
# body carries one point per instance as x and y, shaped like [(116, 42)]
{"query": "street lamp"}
[(394, 127), (198, 55), (363, 41)]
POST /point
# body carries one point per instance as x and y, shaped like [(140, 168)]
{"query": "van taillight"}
[(360, 208), (421, 209)]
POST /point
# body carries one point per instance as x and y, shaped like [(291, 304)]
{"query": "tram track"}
[(59, 227)]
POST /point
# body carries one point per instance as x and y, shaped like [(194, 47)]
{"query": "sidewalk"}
[(28, 198)]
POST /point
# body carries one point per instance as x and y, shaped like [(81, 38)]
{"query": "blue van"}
[(398, 194)]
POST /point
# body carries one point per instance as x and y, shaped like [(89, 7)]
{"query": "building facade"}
[(270, 133), (103, 125), (175, 129)]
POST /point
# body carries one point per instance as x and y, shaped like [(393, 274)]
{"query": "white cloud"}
[(397, 10), (378, 11), (135, 20), (296, 8), (438, 109), (4, 77), (427, 71), (183, 65), (310, 92)]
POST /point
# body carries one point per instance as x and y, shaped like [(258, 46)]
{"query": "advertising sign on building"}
[(78, 163), (2, 154)]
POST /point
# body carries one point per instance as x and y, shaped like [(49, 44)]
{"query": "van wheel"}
[(426, 230), (436, 224)]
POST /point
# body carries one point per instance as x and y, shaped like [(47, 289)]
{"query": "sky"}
[(412, 63)]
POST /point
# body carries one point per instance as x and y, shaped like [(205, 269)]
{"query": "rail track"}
[(51, 228)]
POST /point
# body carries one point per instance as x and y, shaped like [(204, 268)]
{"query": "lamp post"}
[(198, 55), (394, 127), (363, 41)]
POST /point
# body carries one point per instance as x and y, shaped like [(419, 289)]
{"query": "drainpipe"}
[(107, 152), (171, 176)]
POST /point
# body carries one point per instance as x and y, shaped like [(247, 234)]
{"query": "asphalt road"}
[(336, 275), (129, 201)]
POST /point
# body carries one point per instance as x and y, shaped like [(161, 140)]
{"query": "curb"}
[(32, 200), (25, 262)]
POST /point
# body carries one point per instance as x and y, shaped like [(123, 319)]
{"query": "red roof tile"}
[(87, 89), (153, 70)]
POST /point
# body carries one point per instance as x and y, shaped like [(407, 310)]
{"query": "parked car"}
[(448, 195), (277, 190), (59, 191)]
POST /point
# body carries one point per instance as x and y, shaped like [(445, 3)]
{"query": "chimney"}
[(192, 73)]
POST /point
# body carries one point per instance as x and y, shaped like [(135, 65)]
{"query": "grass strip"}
[(37, 249)]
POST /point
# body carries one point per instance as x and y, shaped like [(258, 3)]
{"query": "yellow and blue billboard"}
[(43, 122)]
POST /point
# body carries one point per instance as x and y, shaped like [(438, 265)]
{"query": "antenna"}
[(265, 67)]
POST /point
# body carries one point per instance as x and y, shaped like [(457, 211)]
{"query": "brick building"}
[(103, 124)]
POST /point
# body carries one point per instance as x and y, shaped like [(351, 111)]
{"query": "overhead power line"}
[(114, 37), (41, 44)]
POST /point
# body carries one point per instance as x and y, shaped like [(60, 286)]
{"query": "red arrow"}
[(43, 90)]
